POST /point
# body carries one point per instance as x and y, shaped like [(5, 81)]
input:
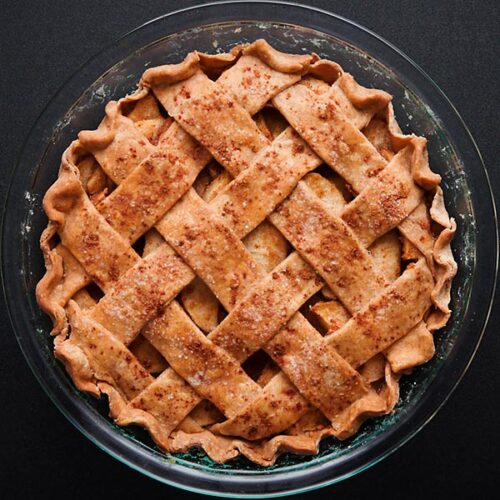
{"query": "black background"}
[(43, 43)]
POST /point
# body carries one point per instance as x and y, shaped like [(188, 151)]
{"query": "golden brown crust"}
[(325, 70), (171, 73), (133, 177), (280, 61)]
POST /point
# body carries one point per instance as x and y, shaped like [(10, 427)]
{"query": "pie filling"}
[(246, 255)]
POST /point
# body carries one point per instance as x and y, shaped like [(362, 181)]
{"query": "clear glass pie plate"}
[(420, 107)]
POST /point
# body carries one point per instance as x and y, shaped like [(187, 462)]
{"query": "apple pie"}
[(246, 255)]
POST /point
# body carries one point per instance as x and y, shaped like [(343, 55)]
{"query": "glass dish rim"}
[(387, 434)]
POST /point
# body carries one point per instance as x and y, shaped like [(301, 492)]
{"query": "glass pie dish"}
[(420, 107)]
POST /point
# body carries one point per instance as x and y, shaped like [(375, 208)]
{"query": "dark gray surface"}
[(43, 43)]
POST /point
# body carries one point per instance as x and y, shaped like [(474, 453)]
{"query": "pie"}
[(246, 255)]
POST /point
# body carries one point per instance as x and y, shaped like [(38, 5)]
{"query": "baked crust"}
[(271, 254)]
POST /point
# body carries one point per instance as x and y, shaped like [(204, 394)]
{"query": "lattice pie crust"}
[(246, 255)]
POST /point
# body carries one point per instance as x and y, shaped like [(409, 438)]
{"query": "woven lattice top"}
[(246, 254)]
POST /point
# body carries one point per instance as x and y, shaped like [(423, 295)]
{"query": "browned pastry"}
[(246, 255)]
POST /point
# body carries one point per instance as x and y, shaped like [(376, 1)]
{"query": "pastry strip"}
[(101, 251), (154, 186), (111, 361), (119, 146), (386, 318), (386, 202), (211, 371), (141, 293), (330, 246), (321, 123), (212, 117), (275, 171)]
